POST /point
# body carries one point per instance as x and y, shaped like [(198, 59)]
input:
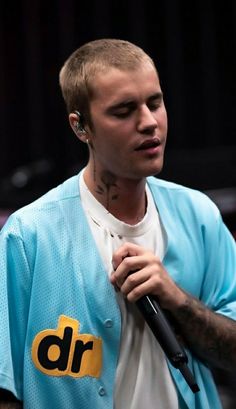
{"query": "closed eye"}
[(124, 114), (123, 110), (154, 106), (126, 108), (155, 101)]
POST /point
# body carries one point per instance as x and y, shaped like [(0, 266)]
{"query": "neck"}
[(124, 198)]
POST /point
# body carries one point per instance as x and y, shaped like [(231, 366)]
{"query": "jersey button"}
[(101, 391), (108, 323)]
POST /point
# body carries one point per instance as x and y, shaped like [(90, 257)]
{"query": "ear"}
[(76, 127)]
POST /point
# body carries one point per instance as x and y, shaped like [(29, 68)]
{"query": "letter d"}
[(51, 349), (52, 341)]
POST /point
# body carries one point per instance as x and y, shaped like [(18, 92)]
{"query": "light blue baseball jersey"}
[(60, 322)]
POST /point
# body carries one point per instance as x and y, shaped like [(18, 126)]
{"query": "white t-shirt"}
[(142, 375)]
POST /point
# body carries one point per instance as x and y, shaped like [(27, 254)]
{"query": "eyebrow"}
[(130, 103), (156, 96)]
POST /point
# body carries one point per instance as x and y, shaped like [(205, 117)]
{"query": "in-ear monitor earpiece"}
[(79, 124)]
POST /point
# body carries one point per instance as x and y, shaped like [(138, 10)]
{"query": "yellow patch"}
[(64, 351)]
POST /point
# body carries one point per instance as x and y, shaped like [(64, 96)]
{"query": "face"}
[(129, 123)]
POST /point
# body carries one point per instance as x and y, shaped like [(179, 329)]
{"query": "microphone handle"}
[(158, 323)]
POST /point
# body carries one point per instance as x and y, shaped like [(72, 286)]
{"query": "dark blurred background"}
[(194, 46)]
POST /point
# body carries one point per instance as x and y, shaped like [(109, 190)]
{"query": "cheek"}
[(108, 147), (163, 118), (113, 138)]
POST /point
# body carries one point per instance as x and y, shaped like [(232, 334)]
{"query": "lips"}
[(148, 144)]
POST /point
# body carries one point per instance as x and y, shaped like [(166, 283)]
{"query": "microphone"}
[(158, 323)]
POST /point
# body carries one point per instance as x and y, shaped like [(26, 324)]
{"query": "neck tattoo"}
[(108, 182)]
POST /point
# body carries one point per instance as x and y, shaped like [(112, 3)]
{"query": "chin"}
[(154, 170)]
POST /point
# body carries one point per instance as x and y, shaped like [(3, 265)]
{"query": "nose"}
[(147, 122)]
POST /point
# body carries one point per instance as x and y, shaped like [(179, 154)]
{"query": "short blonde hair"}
[(77, 74)]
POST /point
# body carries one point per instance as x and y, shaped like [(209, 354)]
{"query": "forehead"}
[(115, 84)]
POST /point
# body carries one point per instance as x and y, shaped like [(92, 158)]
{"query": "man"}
[(71, 333)]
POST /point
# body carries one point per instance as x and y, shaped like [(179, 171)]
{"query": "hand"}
[(149, 276)]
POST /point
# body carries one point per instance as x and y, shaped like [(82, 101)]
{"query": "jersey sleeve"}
[(14, 306), (219, 285)]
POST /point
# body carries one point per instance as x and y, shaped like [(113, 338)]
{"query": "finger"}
[(126, 250), (134, 280), (127, 265), (140, 283), (138, 292)]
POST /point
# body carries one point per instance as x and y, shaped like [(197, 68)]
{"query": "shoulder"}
[(182, 199), (46, 210)]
